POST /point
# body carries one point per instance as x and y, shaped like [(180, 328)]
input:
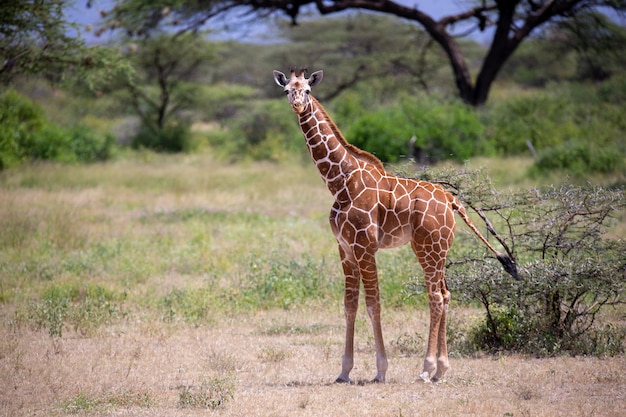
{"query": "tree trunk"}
[(501, 49)]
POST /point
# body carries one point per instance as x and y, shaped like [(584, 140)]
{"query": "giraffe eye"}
[(308, 91)]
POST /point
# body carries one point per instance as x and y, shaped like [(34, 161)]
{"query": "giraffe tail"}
[(507, 263)]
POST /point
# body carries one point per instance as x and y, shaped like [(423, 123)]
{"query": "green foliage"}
[(575, 128), (441, 130), (192, 306), (212, 393), (597, 41), (542, 118), (86, 403), (85, 307), (261, 130), (20, 120), (588, 46), (173, 137), (26, 134), (36, 38), (536, 63), (284, 283), (580, 158), (158, 84)]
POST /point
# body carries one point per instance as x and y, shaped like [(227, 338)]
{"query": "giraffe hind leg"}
[(442, 345), (433, 263)]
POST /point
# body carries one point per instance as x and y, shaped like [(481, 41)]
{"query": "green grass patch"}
[(83, 307), (87, 403)]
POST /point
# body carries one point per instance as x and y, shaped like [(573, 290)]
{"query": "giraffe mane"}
[(356, 152)]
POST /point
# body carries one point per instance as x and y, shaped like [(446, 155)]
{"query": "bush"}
[(385, 133), (264, 130), (20, 120), (174, 137), (570, 269), (577, 127), (89, 145), (26, 134), (543, 119), (579, 159), (425, 129)]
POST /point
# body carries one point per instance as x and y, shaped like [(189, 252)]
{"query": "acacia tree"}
[(34, 39), (161, 86), (572, 268), (512, 21)]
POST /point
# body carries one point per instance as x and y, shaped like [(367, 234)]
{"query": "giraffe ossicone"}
[(376, 210)]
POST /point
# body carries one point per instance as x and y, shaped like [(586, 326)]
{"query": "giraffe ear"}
[(280, 78), (316, 78)]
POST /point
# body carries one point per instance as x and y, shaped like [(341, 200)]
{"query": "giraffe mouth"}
[(297, 108)]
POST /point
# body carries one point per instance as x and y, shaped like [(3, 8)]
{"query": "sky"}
[(84, 16)]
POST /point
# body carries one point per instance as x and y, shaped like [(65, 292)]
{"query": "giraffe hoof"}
[(341, 380), (425, 376)]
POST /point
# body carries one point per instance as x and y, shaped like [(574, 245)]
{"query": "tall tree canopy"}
[(34, 38), (512, 22)]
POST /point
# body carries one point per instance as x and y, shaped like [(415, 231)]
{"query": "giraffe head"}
[(297, 88)]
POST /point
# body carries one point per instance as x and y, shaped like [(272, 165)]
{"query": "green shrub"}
[(613, 91), (575, 127), (89, 145), (264, 130), (275, 282), (20, 120), (542, 119), (570, 270), (212, 393), (192, 306), (385, 133), (85, 307), (26, 134), (427, 129), (579, 159), (173, 137)]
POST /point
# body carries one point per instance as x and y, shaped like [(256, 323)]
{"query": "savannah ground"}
[(178, 285)]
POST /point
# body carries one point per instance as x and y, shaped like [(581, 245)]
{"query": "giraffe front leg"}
[(369, 276), (351, 303), (347, 361), (373, 310)]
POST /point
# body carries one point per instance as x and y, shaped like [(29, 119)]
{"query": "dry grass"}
[(282, 363), (138, 230)]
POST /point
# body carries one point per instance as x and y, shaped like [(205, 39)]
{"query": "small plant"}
[(409, 344), (85, 403), (85, 307), (212, 393), (272, 354), (185, 304)]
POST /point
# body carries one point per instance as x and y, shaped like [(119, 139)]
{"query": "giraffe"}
[(376, 210)]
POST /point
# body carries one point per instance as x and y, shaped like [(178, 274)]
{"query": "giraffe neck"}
[(334, 157)]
